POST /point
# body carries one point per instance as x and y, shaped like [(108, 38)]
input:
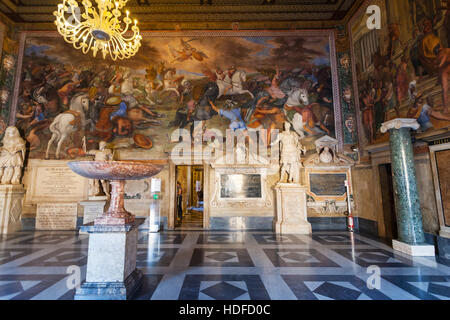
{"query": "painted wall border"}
[(360, 130)]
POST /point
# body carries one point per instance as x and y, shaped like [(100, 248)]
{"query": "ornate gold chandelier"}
[(98, 29)]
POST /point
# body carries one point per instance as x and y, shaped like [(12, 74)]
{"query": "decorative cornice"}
[(199, 25)]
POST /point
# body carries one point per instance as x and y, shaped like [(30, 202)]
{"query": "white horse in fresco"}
[(298, 97), (234, 85), (64, 124)]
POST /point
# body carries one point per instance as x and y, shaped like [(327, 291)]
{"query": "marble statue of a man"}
[(102, 154), (291, 150), (12, 156)]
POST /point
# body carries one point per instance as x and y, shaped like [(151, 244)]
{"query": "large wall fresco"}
[(402, 69), (68, 101)]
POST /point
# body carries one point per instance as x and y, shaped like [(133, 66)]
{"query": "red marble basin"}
[(115, 170)]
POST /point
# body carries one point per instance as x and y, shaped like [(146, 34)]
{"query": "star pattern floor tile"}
[(207, 265)]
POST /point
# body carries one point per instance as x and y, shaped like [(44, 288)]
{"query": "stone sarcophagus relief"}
[(326, 174)]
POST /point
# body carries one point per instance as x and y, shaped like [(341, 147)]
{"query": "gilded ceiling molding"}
[(195, 25), (197, 9)]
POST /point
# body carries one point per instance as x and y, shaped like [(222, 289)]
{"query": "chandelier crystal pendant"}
[(98, 29)]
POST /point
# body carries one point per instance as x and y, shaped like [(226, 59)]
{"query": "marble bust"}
[(12, 156), (100, 187), (291, 150), (325, 155)]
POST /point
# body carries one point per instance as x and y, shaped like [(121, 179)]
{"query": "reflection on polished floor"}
[(192, 220), (229, 265)]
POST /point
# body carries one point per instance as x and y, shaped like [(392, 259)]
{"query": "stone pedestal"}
[(291, 209), (11, 197), (111, 267), (424, 250), (411, 238)]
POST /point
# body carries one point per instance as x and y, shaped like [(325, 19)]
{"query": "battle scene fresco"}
[(402, 69), (69, 101)]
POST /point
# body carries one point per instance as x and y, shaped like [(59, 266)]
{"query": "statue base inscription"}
[(11, 197), (291, 214), (56, 216)]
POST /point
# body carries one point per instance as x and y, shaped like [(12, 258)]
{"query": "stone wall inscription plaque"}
[(328, 184), (56, 216), (240, 186), (58, 183)]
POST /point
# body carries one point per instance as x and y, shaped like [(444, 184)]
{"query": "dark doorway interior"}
[(189, 199), (387, 194)]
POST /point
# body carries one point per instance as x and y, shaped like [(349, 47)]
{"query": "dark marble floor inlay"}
[(379, 257), (221, 257), (277, 239), (298, 258), (221, 238), (331, 287), (154, 238), (60, 258), (155, 257), (209, 265), (423, 287), (223, 287), (336, 239)]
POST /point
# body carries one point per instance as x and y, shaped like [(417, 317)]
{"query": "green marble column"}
[(407, 204)]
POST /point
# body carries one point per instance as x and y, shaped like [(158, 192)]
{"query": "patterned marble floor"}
[(229, 265), (192, 220)]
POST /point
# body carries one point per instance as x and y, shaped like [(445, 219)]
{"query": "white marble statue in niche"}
[(100, 187), (291, 150), (12, 156)]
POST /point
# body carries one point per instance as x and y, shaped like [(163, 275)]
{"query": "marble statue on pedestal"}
[(12, 157), (291, 151), (291, 213), (100, 187)]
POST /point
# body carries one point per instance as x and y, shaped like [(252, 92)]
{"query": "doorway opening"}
[(387, 195), (189, 197)]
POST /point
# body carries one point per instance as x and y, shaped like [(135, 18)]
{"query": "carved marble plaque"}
[(240, 186), (326, 184), (56, 216), (58, 182)]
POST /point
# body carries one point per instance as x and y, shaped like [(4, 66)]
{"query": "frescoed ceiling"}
[(200, 14)]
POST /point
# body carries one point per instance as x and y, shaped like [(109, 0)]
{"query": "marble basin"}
[(116, 172)]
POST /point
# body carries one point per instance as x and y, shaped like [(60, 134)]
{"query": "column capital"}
[(399, 123)]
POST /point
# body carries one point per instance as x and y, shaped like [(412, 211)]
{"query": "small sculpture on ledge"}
[(100, 188), (291, 151), (12, 157), (327, 155)]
